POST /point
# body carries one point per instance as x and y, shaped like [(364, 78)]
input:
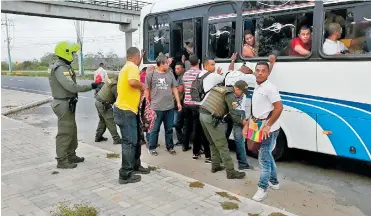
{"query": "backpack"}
[(197, 88), (215, 102)]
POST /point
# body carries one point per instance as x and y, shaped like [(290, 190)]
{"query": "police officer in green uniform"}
[(64, 89), (104, 99)]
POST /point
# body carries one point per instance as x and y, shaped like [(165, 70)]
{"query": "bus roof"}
[(169, 5)]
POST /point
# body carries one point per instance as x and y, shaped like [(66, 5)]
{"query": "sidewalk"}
[(29, 186), (14, 101)]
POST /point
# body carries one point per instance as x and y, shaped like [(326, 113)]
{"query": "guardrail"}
[(122, 4)]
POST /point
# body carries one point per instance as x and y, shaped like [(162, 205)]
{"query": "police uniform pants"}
[(218, 142), (66, 140), (106, 120)]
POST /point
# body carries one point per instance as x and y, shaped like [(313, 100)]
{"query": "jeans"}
[(130, 148), (193, 125), (268, 169), (166, 117), (178, 124), (240, 147)]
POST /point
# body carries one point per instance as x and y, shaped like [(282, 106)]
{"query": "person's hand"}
[(265, 131), (170, 60), (143, 52), (245, 130), (94, 85), (234, 57), (183, 59), (179, 107), (219, 71), (272, 59)]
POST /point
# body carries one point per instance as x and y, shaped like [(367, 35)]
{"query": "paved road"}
[(312, 184)]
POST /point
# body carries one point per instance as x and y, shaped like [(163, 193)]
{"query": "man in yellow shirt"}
[(126, 117)]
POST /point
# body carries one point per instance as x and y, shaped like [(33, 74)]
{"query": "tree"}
[(48, 59)]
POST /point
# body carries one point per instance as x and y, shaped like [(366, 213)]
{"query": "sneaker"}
[(274, 187), (208, 160), (246, 168), (186, 148), (259, 195), (217, 169), (172, 151), (131, 179), (235, 175), (142, 170), (100, 139), (152, 152), (195, 156)]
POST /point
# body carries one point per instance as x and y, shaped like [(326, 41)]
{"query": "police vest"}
[(105, 94), (215, 101)]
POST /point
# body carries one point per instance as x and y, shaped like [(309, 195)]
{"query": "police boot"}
[(117, 141), (74, 159), (64, 164), (215, 169), (100, 139), (233, 174)]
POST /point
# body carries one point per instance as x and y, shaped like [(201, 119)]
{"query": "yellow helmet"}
[(66, 49)]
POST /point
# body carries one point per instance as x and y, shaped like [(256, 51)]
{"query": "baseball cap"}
[(250, 65), (242, 85)]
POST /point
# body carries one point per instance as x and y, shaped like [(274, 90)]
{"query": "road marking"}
[(25, 89)]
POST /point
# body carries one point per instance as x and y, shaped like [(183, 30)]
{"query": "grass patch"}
[(228, 196), (113, 155), (153, 168), (43, 74), (229, 205), (277, 214), (254, 214), (196, 184), (64, 209)]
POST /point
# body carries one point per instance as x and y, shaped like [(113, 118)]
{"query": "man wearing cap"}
[(236, 106)]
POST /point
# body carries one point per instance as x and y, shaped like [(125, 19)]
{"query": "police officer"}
[(104, 99), (64, 89)]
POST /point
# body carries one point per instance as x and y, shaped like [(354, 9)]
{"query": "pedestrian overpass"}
[(123, 12)]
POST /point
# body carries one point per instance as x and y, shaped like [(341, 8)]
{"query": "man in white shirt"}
[(103, 73), (266, 107), (332, 45)]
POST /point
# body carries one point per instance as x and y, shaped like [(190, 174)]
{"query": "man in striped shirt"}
[(192, 114)]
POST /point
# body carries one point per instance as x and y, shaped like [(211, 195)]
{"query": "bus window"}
[(222, 28), (183, 41), (158, 36), (277, 27), (347, 30)]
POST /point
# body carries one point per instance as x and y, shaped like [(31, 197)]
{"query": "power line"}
[(7, 24)]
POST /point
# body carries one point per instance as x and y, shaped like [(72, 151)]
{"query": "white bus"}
[(327, 98)]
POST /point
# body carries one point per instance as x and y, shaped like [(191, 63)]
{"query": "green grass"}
[(228, 196), (64, 209), (229, 205)]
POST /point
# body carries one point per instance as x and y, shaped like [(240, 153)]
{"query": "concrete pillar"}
[(128, 39)]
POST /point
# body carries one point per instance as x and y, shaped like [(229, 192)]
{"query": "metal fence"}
[(122, 4)]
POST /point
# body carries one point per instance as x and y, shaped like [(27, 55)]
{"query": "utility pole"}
[(8, 43), (80, 41)]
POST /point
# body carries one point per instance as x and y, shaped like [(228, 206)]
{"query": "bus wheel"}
[(281, 146), (279, 151)]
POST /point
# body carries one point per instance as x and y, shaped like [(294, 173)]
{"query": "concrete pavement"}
[(29, 186)]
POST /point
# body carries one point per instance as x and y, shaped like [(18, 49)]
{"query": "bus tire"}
[(279, 151)]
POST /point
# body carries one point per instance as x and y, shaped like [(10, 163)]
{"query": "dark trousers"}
[(166, 117), (192, 124), (130, 132), (179, 124)]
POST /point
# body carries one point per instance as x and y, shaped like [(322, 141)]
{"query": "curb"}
[(27, 106)]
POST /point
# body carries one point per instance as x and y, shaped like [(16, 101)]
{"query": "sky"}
[(32, 37)]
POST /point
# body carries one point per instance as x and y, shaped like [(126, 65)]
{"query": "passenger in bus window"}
[(249, 46), (332, 45), (301, 45)]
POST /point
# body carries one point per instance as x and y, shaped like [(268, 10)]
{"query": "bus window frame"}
[(230, 19), (145, 36), (321, 18), (283, 12)]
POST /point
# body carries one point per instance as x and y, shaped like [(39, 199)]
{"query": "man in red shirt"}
[(300, 46)]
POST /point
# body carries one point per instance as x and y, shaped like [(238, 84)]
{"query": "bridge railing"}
[(122, 4)]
